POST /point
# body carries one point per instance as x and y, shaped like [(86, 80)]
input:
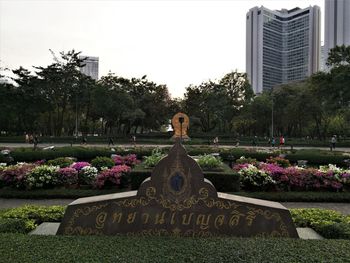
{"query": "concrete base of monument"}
[(46, 229)]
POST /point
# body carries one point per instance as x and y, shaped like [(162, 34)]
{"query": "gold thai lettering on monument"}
[(145, 218), (203, 221), (219, 221), (131, 218), (250, 218), (87, 210), (160, 219), (186, 219), (100, 220), (117, 217), (172, 220), (234, 219)]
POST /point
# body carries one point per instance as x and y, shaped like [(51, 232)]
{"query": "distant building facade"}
[(337, 24), (91, 66), (281, 46)]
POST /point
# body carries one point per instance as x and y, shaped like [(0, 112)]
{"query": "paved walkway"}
[(126, 145), (343, 208)]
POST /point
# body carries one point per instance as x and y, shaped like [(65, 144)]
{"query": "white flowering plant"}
[(43, 176), (255, 178), (87, 175)]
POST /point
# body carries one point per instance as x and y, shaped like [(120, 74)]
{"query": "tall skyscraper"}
[(281, 46), (337, 24), (91, 67)]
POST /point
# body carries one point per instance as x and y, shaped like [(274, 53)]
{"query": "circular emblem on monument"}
[(177, 183)]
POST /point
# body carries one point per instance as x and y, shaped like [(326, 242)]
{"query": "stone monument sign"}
[(176, 201)]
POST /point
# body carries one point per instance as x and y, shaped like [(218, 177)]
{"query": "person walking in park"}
[(216, 141), (281, 141), (333, 141), (26, 137), (273, 142), (35, 141), (110, 141), (254, 142)]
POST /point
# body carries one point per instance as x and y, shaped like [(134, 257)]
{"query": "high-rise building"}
[(281, 46), (337, 24), (91, 67)]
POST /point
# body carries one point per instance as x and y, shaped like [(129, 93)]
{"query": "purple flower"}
[(79, 165)]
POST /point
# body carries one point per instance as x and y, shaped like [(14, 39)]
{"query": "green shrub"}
[(335, 230), (37, 213), (61, 162), (14, 225), (26, 218), (328, 223), (311, 217), (154, 158), (209, 162), (243, 160), (100, 162)]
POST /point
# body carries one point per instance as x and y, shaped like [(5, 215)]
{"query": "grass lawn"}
[(24, 248)]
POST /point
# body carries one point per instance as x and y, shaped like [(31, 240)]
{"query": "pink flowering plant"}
[(112, 176), (15, 175), (130, 160), (272, 175), (68, 175)]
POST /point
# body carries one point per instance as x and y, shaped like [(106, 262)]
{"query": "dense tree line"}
[(58, 99)]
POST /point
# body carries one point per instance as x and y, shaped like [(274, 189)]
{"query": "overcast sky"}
[(173, 42)]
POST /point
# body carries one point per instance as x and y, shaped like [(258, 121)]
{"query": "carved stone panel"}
[(177, 201)]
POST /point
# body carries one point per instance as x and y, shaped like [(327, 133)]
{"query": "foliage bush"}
[(25, 218), (328, 223), (62, 162), (209, 162), (154, 158), (279, 161), (100, 162), (14, 225)]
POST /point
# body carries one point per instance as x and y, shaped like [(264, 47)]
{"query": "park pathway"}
[(343, 208)]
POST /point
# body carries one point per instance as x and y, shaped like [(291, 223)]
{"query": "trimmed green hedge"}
[(341, 197), (23, 248), (314, 157), (224, 181), (55, 193)]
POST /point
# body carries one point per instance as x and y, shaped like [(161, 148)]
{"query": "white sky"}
[(173, 42)]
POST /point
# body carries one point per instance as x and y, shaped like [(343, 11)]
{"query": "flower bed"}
[(109, 172), (277, 174)]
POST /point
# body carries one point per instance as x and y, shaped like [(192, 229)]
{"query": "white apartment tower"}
[(91, 67), (337, 24), (281, 46)]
